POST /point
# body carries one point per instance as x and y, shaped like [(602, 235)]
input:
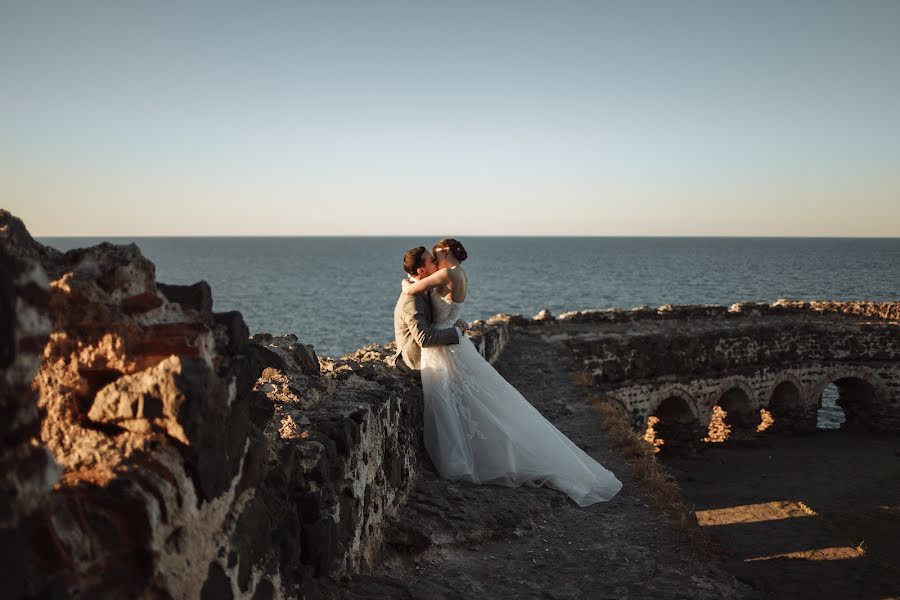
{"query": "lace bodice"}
[(444, 312)]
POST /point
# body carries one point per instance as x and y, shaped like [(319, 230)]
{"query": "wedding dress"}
[(479, 428)]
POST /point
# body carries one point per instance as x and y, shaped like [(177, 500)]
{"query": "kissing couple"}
[(478, 427)]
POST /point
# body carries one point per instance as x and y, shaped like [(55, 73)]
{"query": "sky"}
[(720, 118)]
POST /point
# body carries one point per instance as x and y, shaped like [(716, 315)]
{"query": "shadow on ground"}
[(804, 516)]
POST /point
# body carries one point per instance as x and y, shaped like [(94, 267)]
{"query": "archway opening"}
[(830, 415), (672, 427), (845, 401), (733, 416), (786, 407)]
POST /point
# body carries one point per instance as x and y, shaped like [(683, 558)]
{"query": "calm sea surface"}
[(339, 293)]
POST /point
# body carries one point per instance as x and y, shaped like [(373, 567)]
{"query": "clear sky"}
[(435, 117)]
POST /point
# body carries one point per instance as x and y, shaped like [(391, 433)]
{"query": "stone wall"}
[(151, 448), (492, 336), (343, 450), (684, 361)]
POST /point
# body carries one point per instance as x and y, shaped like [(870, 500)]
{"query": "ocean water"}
[(830, 415), (338, 293)]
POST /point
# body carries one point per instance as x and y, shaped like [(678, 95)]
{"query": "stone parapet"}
[(681, 364), (492, 335), (888, 311)]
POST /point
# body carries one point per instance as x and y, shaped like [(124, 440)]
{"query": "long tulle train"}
[(479, 428)]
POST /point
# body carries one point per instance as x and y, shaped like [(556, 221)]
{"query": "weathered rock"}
[(27, 470), (543, 315), (197, 296), (13, 234), (145, 404), (291, 370)]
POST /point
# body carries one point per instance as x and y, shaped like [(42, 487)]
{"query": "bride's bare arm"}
[(438, 278)]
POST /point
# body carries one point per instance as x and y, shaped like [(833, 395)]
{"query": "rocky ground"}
[(458, 540)]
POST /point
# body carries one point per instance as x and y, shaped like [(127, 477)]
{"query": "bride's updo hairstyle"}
[(453, 246)]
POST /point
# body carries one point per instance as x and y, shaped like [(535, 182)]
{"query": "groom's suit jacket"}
[(414, 330)]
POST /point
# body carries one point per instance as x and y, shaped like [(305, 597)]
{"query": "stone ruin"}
[(689, 372)]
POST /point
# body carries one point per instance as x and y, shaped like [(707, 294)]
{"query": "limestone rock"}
[(16, 240), (138, 408), (543, 315)]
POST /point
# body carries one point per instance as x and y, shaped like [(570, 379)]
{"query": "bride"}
[(478, 427)]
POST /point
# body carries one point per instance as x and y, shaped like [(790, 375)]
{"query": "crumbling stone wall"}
[(686, 360), (133, 406), (151, 448)]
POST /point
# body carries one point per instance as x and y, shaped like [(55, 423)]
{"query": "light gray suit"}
[(414, 330)]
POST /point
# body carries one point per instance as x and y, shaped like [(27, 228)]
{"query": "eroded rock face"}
[(151, 448), (343, 442), (13, 233), (27, 469), (142, 401)]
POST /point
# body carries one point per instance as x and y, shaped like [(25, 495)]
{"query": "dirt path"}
[(815, 516), (458, 540)]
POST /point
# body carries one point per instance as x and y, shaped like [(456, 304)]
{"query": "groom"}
[(412, 316)]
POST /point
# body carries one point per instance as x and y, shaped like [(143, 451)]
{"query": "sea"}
[(338, 293)]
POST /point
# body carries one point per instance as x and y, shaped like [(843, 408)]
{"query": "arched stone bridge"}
[(678, 363)]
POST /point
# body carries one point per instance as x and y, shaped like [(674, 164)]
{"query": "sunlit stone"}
[(754, 513), (718, 430), (765, 420), (833, 553), (651, 436)]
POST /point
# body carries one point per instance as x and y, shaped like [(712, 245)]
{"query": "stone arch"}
[(673, 425), (667, 393), (832, 374), (738, 397), (785, 378), (784, 401), (741, 411), (859, 393)]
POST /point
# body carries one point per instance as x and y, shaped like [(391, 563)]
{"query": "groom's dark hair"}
[(412, 260)]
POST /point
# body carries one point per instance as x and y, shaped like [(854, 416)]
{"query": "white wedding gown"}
[(479, 428)]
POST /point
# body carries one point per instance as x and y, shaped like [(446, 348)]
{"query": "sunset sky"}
[(476, 118)]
